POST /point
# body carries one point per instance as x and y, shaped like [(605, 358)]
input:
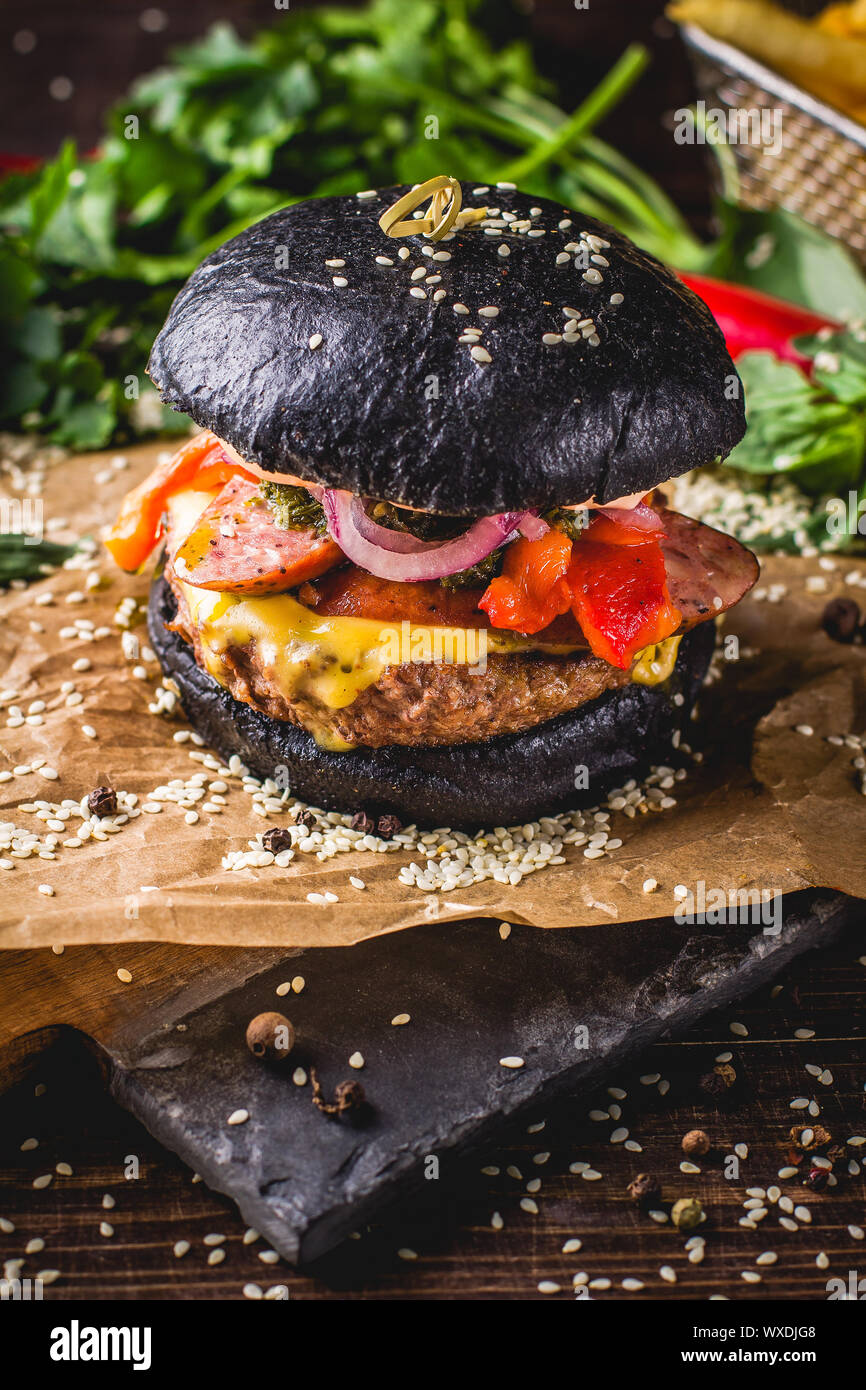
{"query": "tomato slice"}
[(532, 589), (237, 547), (202, 460), (620, 598)]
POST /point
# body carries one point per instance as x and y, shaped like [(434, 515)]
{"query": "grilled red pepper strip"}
[(532, 590), (755, 322), (620, 597), (201, 463), (613, 579)]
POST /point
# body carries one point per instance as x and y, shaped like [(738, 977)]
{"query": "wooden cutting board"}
[(570, 1004)]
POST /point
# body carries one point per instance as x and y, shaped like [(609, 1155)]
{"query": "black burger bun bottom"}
[(565, 763)]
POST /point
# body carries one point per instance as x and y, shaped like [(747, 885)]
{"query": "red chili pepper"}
[(18, 163), (755, 322)]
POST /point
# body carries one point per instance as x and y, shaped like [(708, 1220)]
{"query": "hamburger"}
[(418, 561)]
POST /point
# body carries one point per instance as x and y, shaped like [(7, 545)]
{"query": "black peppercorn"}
[(645, 1189), (102, 801), (348, 1096), (841, 619), (271, 1036), (388, 826), (718, 1082), (696, 1142), (712, 1084), (366, 824), (818, 1179), (277, 839)]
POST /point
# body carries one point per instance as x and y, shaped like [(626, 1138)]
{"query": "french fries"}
[(825, 56)]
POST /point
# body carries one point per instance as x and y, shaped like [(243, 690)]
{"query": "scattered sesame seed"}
[(315, 341), (238, 1117), (512, 1063), (399, 1020), (125, 976), (340, 282), (356, 1060)]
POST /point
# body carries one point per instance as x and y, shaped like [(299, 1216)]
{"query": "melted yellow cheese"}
[(654, 664)]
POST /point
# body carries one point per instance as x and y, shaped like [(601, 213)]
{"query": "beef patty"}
[(418, 702)]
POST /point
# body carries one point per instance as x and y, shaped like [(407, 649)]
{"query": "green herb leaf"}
[(294, 508), (796, 427), (839, 363), (21, 558)]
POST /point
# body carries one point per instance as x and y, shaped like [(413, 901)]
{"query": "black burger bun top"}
[(315, 348)]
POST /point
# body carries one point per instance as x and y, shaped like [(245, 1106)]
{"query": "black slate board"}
[(434, 1085)]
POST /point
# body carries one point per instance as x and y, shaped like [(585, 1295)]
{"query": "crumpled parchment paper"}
[(767, 808)]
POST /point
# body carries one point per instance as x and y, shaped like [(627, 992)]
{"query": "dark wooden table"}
[(458, 1252)]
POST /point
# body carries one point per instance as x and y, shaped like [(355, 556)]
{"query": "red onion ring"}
[(640, 517), (532, 526), (396, 555)]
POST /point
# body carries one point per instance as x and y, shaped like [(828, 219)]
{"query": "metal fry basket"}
[(819, 171)]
